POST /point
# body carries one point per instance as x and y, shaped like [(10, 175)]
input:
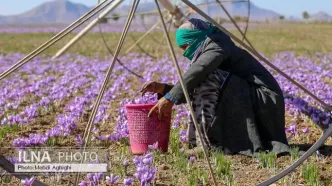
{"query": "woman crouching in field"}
[(238, 104)]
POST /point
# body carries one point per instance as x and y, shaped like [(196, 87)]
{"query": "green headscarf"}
[(193, 37)]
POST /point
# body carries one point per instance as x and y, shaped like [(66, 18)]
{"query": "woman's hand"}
[(153, 87), (164, 107)]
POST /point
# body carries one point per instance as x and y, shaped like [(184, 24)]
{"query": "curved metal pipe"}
[(117, 59), (165, 10), (236, 26), (305, 156)]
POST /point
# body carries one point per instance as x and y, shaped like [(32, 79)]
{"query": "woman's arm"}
[(210, 59), (167, 88)]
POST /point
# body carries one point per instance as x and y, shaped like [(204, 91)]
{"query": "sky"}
[(284, 7)]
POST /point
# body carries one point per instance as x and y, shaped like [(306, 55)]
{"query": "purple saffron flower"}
[(154, 146), (112, 179), (176, 123), (183, 136), (137, 160), (128, 181), (95, 178), (83, 183), (28, 182), (100, 176), (192, 159), (13, 160), (292, 129), (90, 176), (148, 159), (102, 137), (145, 175), (95, 130), (45, 101), (326, 121), (79, 140)]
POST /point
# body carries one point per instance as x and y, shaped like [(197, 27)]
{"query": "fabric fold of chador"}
[(246, 124), (204, 102)]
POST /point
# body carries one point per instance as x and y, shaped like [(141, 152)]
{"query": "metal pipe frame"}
[(88, 128), (314, 148), (56, 38), (255, 53), (100, 7), (185, 91), (87, 28), (165, 10)]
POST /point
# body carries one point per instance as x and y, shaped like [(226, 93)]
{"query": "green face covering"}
[(193, 37)]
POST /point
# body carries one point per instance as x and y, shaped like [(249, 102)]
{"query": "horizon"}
[(293, 8)]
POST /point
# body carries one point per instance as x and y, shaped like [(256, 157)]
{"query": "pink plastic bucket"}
[(144, 131)]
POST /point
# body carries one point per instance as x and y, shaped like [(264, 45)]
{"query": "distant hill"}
[(64, 11), (241, 9), (294, 18), (214, 10), (58, 11), (321, 17)]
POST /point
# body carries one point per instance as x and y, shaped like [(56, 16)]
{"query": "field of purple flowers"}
[(108, 28), (48, 102), (19, 29)]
